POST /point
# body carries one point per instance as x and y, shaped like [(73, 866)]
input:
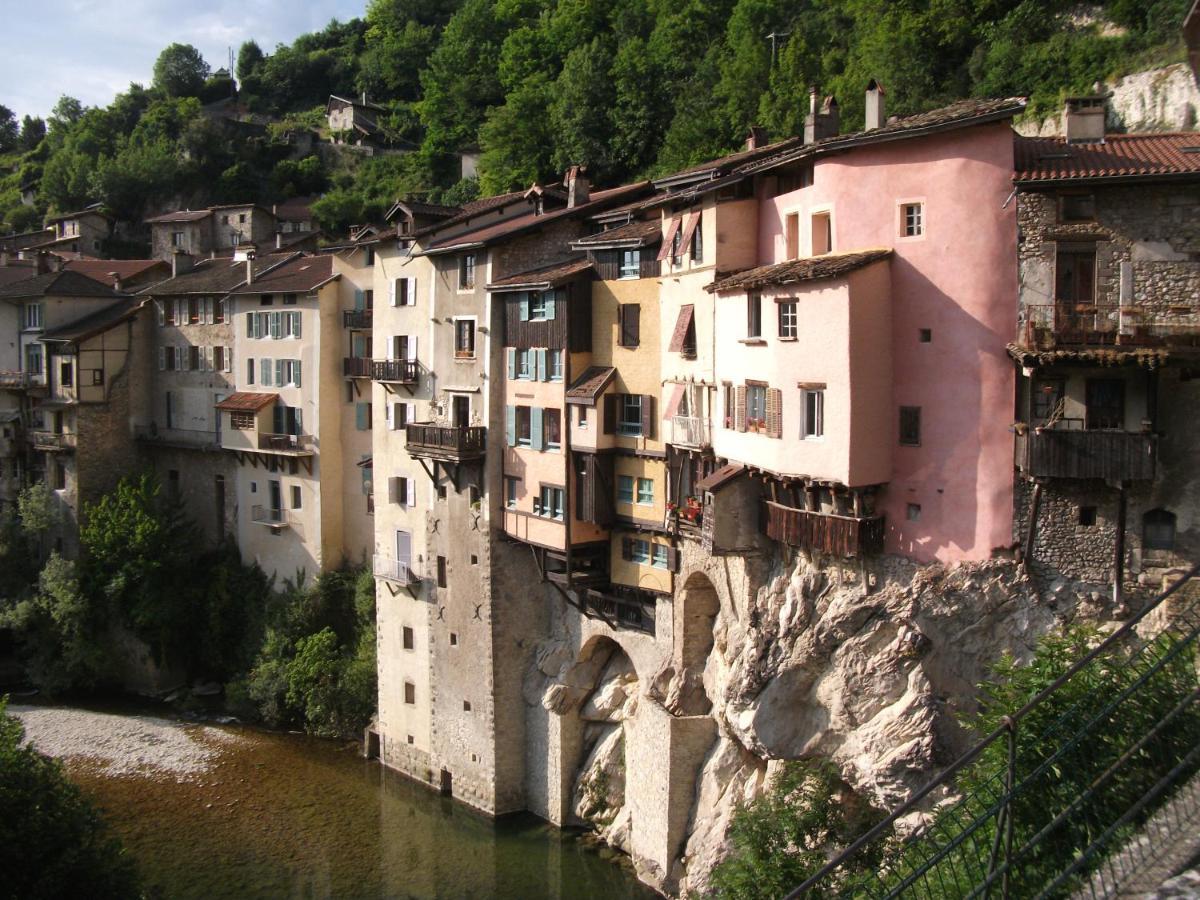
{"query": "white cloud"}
[(93, 49)]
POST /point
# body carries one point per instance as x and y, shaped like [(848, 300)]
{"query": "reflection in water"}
[(288, 816)]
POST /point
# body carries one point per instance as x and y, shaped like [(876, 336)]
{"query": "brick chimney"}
[(757, 137), (180, 262), (116, 280), (876, 117), (577, 186), (822, 124), (1084, 117)]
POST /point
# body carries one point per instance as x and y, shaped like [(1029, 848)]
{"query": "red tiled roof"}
[(543, 278), (126, 269), (811, 268), (296, 276), (638, 233), (1119, 156), (588, 386), (16, 272), (247, 401)]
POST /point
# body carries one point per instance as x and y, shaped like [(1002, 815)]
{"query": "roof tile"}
[(1119, 156), (810, 268)]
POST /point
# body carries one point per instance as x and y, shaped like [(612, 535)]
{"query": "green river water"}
[(283, 815)]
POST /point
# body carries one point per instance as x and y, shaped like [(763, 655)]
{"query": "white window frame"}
[(554, 362), (821, 211), (902, 207), (627, 269), (812, 430), (788, 315), (640, 483)]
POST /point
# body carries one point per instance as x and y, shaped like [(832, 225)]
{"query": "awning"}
[(590, 384), (245, 401), (720, 477)]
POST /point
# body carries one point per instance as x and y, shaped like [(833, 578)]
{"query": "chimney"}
[(1084, 119), (250, 267), (823, 124), (41, 264), (875, 117), (279, 240), (577, 186), (180, 262), (757, 137), (116, 280)]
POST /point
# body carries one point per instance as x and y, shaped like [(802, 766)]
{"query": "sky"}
[(93, 49)]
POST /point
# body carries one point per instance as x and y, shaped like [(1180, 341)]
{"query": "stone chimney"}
[(822, 124), (757, 137), (876, 117), (1083, 119), (250, 267), (116, 280), (180, 262), (41, 263), (577, 186)]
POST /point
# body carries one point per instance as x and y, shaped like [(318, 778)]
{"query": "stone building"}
[(1106, 350), (79, 234), (354, 121), (230, 229)]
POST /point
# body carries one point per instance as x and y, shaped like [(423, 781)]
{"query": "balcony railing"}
[(269, 515), (690, 431), (396, 570), (400, 371), (16, 380), (632, 612), (1114, 455), (844, 536), (356, 367), (357, 318), (51, 440), (178, 437), (285, 443), (445, 442), (1049, 325)]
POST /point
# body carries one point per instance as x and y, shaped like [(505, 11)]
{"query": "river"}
[(226, 811)]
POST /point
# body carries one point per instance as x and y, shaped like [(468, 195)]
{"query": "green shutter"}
[(360, 416), (543, 372), (510, 425), (524, 303), (535, 427), (359, 299), (512, 363), (550, 301), (249, 324)]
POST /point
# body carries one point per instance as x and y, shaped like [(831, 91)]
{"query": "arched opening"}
[(1158, 531), (680, 686)]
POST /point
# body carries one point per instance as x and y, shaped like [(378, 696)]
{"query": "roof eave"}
[(1049, 182)]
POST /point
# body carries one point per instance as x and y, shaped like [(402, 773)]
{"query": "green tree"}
[(249, 58), (67, 111), (180, 71), (579, 112), (52, 840), (9, 130), (33, 131)]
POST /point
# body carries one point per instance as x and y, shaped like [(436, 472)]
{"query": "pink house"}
[(862, 367)]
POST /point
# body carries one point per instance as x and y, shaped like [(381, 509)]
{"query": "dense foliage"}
[(301, 656), (52, 841), (629, 87)]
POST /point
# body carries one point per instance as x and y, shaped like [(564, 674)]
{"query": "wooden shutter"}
[(682, 324), (774, 413), (394, 489), (550, 303), (739, 407), (686, 241), (633, 324), (510, 425), (648, 416), (410, 494), (512, 363), (249, 324), (392, 292), (610, 412), (626, 548), (665, 250), (360, 416), (672, 559), (535, 428), (523, 308), (359, 300)]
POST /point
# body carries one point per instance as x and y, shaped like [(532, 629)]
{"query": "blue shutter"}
[(249, 324), (279, 425), (359, 299), (510, 425), (296, 370), (360, 415), (551, 296), (279, 373), (535, 427), (512, 363), (524, 303), (543, 372)]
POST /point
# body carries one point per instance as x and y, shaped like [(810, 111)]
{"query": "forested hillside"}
[(629, 87)]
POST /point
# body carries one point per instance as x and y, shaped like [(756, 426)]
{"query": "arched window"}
[(1158, 530)]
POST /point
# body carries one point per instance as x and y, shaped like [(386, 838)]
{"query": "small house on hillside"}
[(354, 122)]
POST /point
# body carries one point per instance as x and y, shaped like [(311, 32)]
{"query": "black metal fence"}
[(1047, 804)]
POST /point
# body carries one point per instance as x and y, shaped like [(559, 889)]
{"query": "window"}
[(66, 374), (410, 693), (552, 428), (218, 312), (925, 335), (631, 264), (728, 404), (913, 512), (464, 338), (912, 219), (266, 300), (297, 498), (645, 491), (1075, 276), (537, 306), (242, 219), (441, 572), (219, 359), (33, 359), (555, 358), (753, 316), (97, 377), (510, 492), (250, 371), (910, 426), (1087, 516), (467, 707), (33, 316), (466, 271), (524, 437), (241, 421), (625, 488), (659, 556), (1047, 395), (788, 325), (287, 373), (60, 476), (407, 638), (1077, 207), (1158, 530), (697, 240), (756, 407), (1105, 404), (453, 639), (639, 551), (822, 234), (791, 233), (362, 416), (630, 423), (193, 359), (176, 238), (629, 324), (290, 299), (550, 503), (369, 256), (581, 417), (524, 371), (291, 324), (677, 248), (812, 414)]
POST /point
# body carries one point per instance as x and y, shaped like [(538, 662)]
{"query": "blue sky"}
[(93, 49)]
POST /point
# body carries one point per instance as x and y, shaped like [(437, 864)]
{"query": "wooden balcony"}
[(1053, 325), (690, 431), (844, 536), (356, 366), (630, 610), (359, 319), (15, 380), (1111, 455), (286, 444), (393, 371), (424, 439)]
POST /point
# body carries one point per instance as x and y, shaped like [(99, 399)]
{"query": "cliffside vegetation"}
[(298, 656), (631, 88)]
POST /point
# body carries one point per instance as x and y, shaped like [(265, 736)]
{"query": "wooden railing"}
[(427, 439), (10, 379), (357, 318), (1048, 325), (844, 536), (285, 443), (401, 371), (1115, 455)]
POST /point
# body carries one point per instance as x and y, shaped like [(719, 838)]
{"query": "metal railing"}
[(1049, 796), (690, 431), (52, 440), (269, 515), (284, 443), (357, 318), (397, 570)]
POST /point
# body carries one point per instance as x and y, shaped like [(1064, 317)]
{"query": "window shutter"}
[(181, 312), (296, 369), (610, 413), (686, 241), (208, 310), (410, 298), (626, 548), (394, 489), (276, 325), (535, 427), (158, 310), (739, 407), (543, 374), (648, 416), (162, 358), (397, 416), (774, 413), (665, 250), (512, 363), (359, 299), (393, 291), (550, 303), (206, 358), (279, 373), (510, 425), (228, 357), (410, 493), (412, 347), (672, 559), (296, 318), (523, 305), (278, 425), (249, 324), (360, 416)]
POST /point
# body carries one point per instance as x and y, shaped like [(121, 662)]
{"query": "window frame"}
[(625, 426), (629, 264), (524, 415), (466, 272), (551, 497), (753, 424), (910, 436), (807, 432), (461, 352), (626, 489), (754, 316), (649, 495), (789, 319), (911, 219)]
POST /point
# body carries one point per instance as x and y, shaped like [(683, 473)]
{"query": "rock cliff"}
[(1164, 99)]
